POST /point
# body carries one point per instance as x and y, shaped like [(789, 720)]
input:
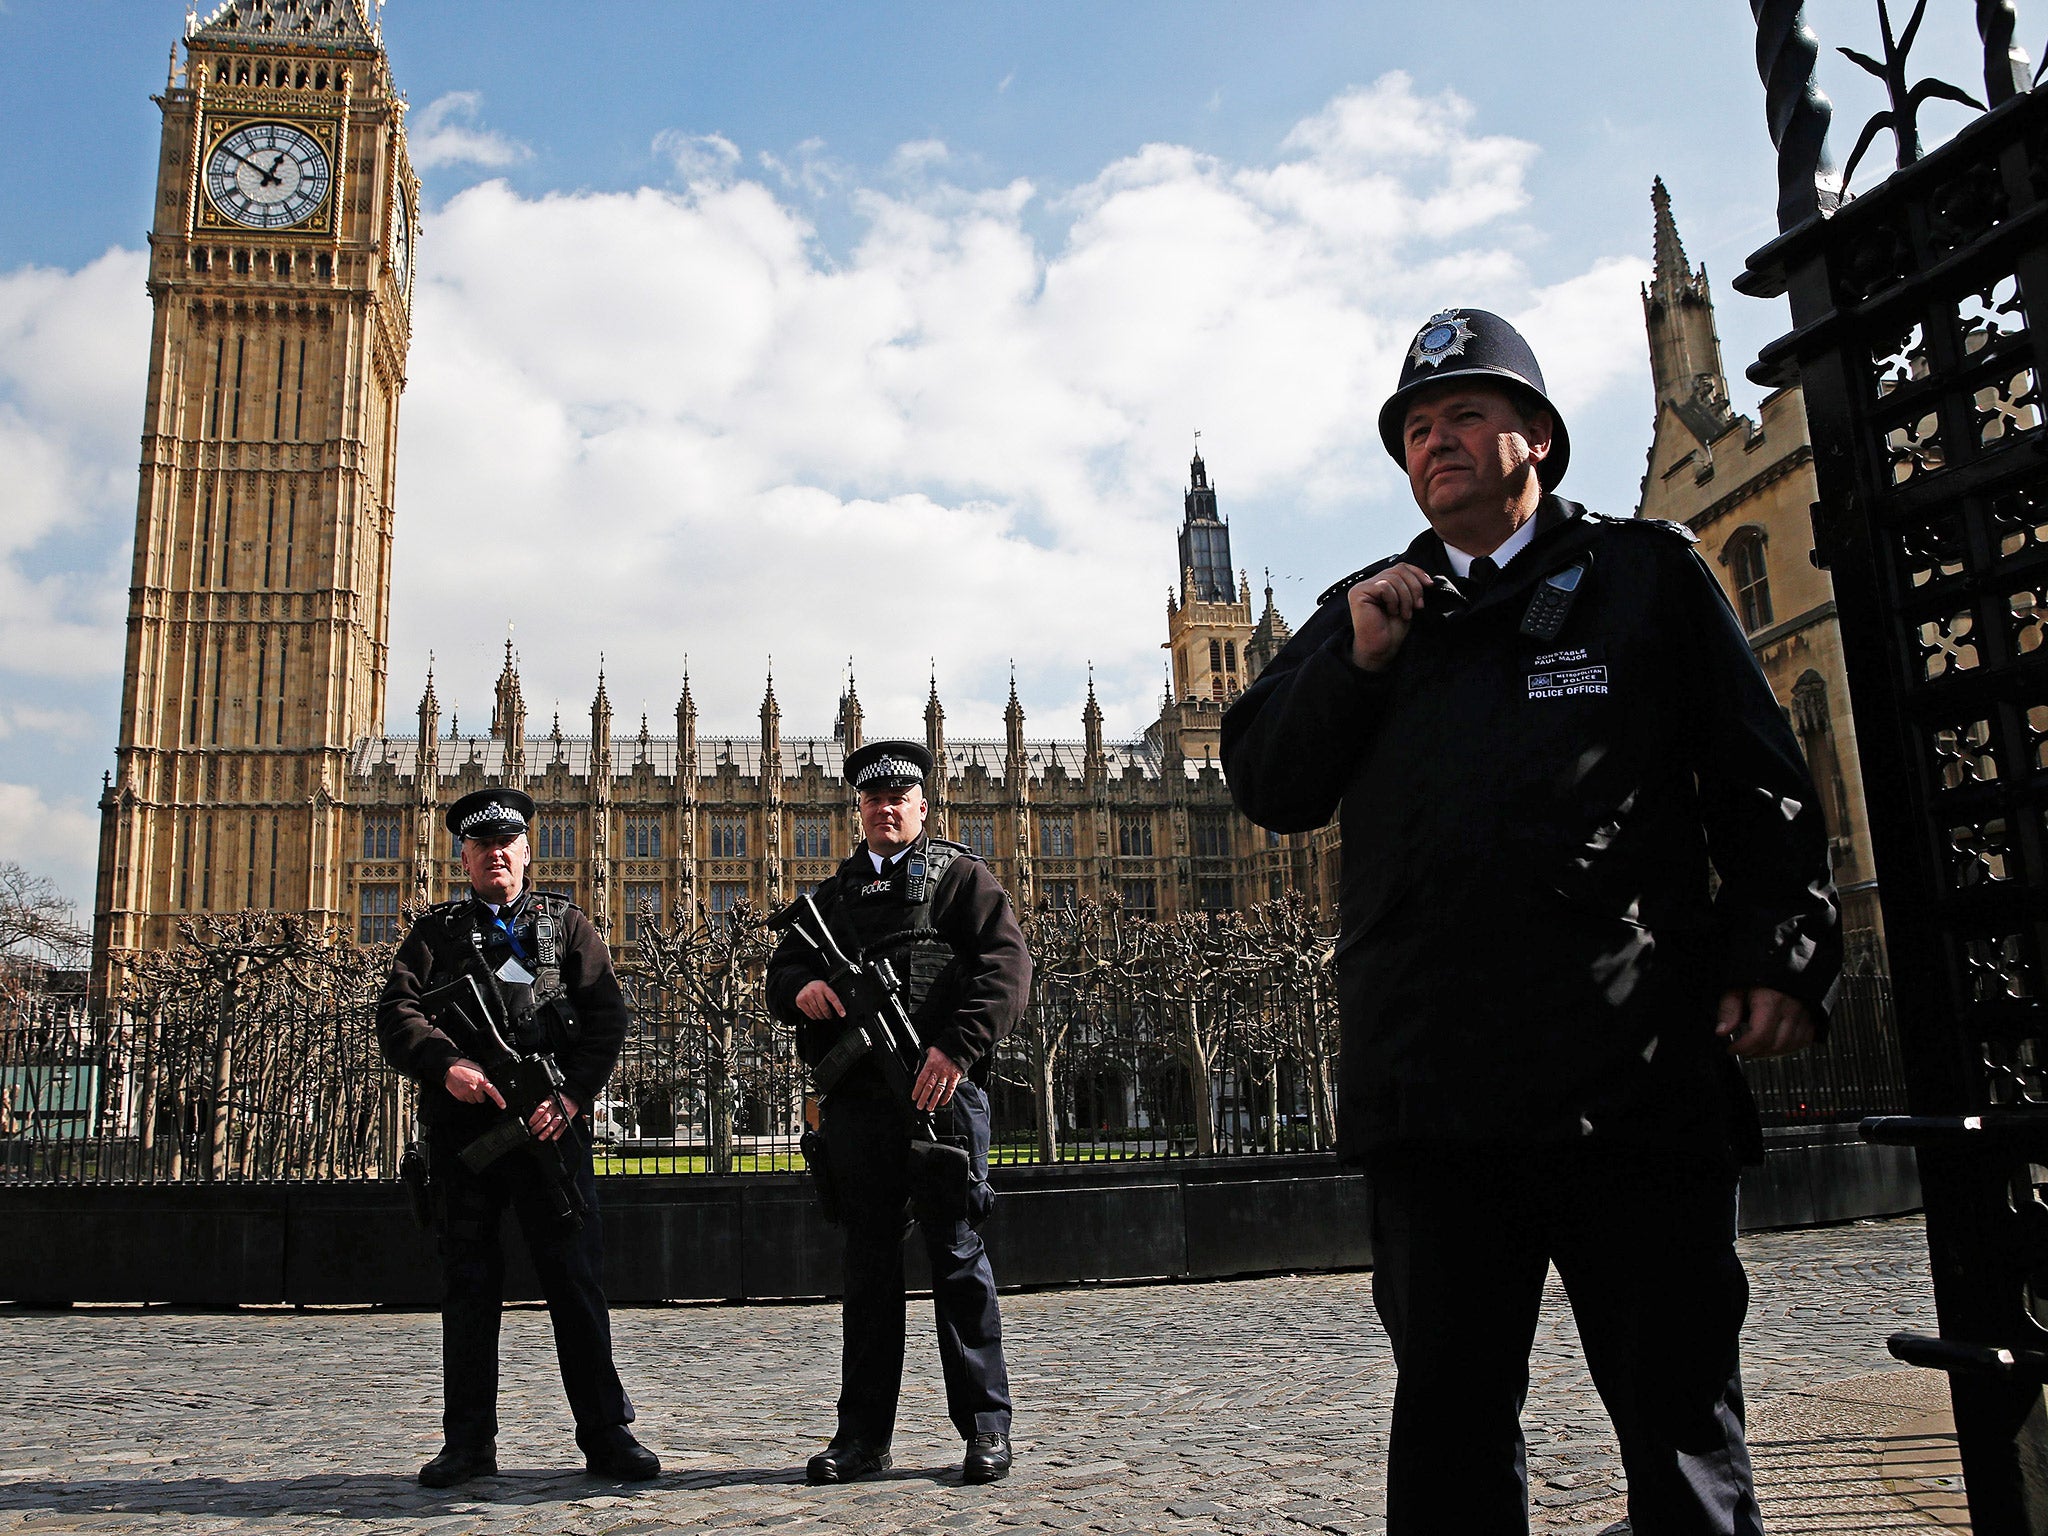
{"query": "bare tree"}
[(713, 973), (1187, 969), (258, 1033), (39, 935), (1299, 1022), (1074, 953), (38, 924)]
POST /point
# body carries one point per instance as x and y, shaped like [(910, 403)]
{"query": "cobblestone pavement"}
[(1255, 1406)]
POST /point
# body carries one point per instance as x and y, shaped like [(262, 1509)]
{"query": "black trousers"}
[(867, 1142), (1644, 1242), (570, 1264)]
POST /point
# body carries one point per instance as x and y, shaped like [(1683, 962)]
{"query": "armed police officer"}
[(935, 914), (1540, 728), (507, 972)]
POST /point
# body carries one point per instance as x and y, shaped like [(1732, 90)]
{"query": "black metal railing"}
[(1855, 1072), (291, 1087)]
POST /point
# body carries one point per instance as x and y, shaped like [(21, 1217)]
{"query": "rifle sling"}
[(507, 1135), (841, 1059)]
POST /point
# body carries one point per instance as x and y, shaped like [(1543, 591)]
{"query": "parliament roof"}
[(320, 23), (743, 753)]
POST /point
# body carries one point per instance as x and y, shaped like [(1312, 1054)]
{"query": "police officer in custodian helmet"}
[(1545, 734), (936, 913), (549, 970)]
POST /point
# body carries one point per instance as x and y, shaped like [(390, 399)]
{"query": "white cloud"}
[(73, 346), (698, 157), (920, 157), (54, 839), (679, 422), (71, 726), (690, 428), (445, 132), (1588, 330)]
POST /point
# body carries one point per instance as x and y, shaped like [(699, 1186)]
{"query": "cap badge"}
[(891, 768), (1443, 336)]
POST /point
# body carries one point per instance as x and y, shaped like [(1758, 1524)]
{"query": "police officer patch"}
[(1568, 674), (1443, 336)]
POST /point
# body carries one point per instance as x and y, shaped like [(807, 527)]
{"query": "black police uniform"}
[(939, 915), (1529, 965), (469, 1205)]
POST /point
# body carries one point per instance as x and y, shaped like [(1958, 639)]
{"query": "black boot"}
[(988, 1459), (843, 1461), (614, 1453), (459, 1463)]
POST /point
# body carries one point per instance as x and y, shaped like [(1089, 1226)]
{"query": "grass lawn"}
[(789, 1161)]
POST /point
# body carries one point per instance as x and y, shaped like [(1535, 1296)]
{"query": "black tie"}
[(1484, 574)]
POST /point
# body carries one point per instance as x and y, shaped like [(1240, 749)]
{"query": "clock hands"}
[(268, 178)]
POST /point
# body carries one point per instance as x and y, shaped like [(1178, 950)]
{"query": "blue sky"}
[(729, 310)]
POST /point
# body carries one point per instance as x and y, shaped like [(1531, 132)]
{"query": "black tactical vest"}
[(888, 917), (540, 1013)]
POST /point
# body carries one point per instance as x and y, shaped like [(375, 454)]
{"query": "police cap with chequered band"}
[(1473, 344), (491, 813), (890, 763)]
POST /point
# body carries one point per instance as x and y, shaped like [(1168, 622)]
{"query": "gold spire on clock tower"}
[(259, 603)]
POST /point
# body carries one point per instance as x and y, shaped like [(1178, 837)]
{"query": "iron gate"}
[(1912, 340)]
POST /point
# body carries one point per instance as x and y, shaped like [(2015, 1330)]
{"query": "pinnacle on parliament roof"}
[(325, 23)]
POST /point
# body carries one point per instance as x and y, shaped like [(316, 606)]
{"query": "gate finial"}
[(1797, 109)]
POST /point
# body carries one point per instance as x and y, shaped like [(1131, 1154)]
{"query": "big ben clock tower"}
[(258, 615)]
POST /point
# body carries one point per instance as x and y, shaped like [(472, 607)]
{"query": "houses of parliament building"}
[(253, 768)]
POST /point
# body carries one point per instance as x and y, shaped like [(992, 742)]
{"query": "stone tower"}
[(280, 273), (1209, 621), (1678, 310)]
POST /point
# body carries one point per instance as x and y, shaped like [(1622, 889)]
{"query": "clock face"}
[(268, 176), (401, 240)]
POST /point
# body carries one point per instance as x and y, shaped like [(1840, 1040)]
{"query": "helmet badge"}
[(1443, 336)]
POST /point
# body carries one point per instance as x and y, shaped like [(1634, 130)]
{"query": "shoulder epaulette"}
[(1658, 525), (446, 908), (553, 901), (1338, 589), (951, 847)]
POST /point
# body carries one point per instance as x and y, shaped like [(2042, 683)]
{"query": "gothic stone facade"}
[(251, 769), (639, 825), (1745, 488), (259, 604)]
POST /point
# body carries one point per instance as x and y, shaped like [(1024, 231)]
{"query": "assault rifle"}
[(525, 1082), (878, 1028)]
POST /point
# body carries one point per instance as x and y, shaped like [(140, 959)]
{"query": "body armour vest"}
[(538, 1010), (888, 916)]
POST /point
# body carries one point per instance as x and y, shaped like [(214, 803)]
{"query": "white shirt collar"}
[(881, 863), (1511, 546)]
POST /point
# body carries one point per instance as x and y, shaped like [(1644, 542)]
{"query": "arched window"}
[(1811, 721), (1230, 655), (1744, 556), (1215, 655)]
